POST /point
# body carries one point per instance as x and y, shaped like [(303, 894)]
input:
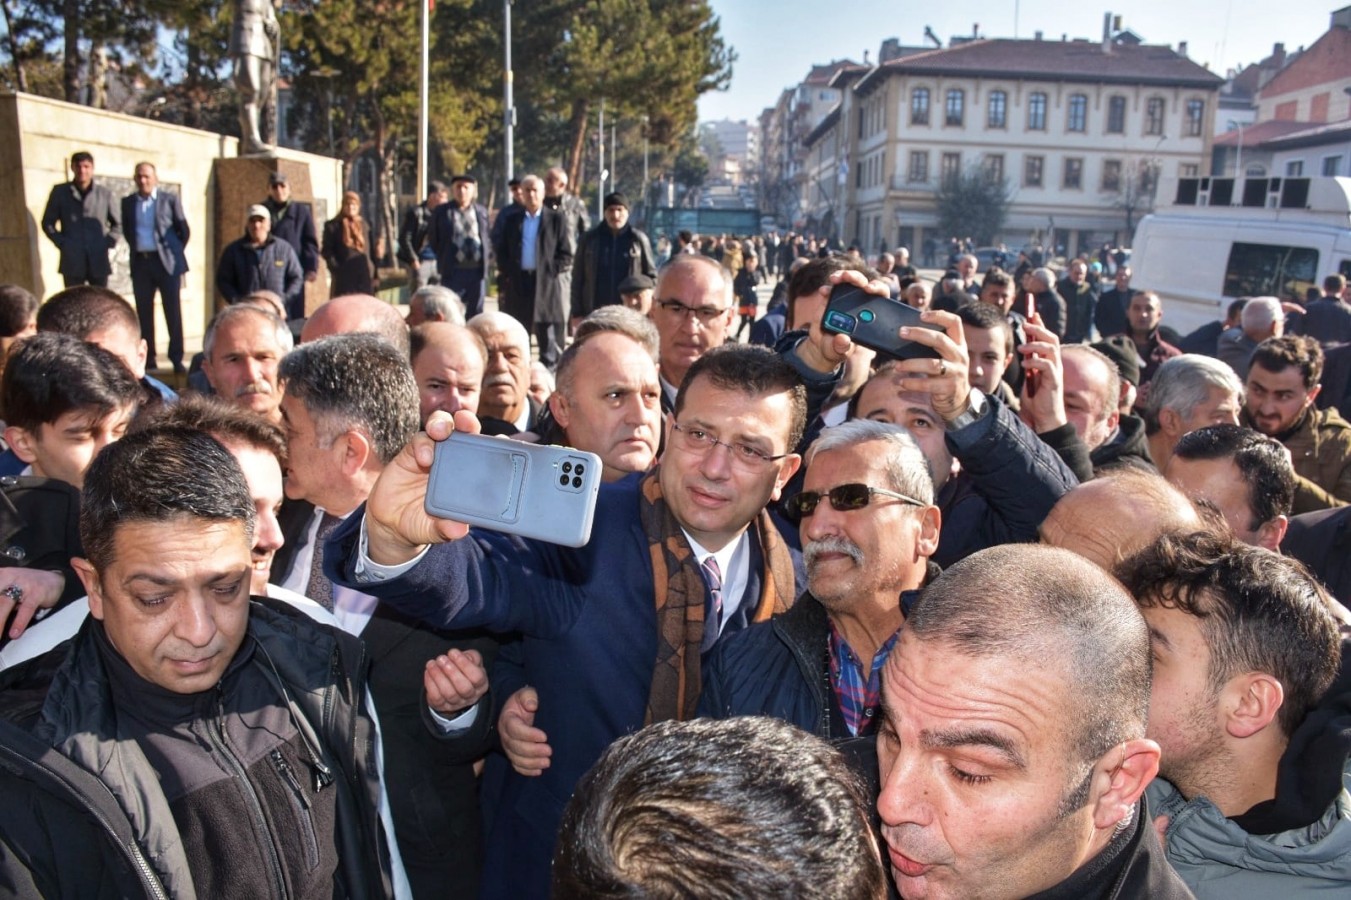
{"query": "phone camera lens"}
[(563, 480), (866, 315), (580, 469), (576, 482), (567, 467)]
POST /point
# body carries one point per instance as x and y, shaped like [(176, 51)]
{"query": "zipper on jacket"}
[(301, 806), (221, 743)]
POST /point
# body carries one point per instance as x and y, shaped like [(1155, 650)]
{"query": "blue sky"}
[(778, 42)]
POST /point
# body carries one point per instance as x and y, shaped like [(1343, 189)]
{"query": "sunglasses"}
[(843, 498)]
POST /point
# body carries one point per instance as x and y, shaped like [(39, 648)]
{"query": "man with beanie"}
[(607, 255)]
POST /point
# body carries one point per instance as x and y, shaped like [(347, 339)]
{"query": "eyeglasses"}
[(705, 314), (843, 498), (696, 440)]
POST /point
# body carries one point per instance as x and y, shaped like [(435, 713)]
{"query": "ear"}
[(1249, 703), (788, 467), (90, 579), (1272, 532), (208, 371), (22, 442), (1113, 419), (930, 524), (142, 351), (1313, 395), (1127, 769), (356, 449), (558, 405), (1170, 422)]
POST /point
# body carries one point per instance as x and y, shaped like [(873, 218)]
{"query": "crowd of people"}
[(1051, 609)]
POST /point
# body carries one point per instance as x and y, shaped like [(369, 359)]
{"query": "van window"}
[(1257, 270), (1345, 269)]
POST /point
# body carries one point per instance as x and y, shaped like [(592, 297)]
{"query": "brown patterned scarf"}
[(680, 594)]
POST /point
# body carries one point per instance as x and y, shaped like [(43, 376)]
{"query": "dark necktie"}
[(320, 589), (713, 612)]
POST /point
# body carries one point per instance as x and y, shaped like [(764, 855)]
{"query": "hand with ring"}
[(26, 591), (947, 379)]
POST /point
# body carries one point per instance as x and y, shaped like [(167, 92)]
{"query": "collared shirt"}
[(735, 565), (145, 222), (352, 609), (529, 241), (858, 699)]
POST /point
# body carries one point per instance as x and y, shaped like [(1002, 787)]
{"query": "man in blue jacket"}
[(158, 232)]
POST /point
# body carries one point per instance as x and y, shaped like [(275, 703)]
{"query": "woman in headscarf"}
[(347, 250)]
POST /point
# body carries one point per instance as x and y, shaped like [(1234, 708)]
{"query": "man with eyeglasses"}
[(868, 527), (614, 633), (692, 311)]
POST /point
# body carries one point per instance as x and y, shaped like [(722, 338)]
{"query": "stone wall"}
[(37, 138)]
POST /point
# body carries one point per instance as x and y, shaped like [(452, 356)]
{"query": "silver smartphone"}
[(535, 491)]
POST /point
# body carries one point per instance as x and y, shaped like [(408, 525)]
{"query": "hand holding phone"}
[(875, 322)]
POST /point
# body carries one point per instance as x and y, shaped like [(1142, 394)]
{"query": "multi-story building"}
[(1303, 121), (1078, 132)]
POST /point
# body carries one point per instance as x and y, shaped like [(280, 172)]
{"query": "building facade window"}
[(997, 116), (1332, 165), (1078, 116), (1032, 170), (1196, 114), (1154, 107), (1116, 115), (952, 166), (1111, 174), (994, 168), (955, 110), (1294, 168), (1074, 174), (1036, 111), (919, 106), (1188, 170), (919, 166)]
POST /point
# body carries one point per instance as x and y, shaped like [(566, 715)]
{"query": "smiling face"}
[(262, 473), (854, 554), (711, 494), (1277, 400), (975, 764), (174, 600)]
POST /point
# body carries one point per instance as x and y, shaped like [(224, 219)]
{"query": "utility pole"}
[(600, 167), (645, 188), (423, 90), (510, 104)]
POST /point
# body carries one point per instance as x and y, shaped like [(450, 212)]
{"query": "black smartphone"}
[(875, 322)]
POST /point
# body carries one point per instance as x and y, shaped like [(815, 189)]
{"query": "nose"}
[(196, 620), (453, 402), (255, 369), (267, 534), (823, 522), (689, 323), (717, 463), (901, 800)]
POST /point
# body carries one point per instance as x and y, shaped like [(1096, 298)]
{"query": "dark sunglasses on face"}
[(843, 498)]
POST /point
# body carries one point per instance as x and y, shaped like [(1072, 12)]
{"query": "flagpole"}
[(423, 90)]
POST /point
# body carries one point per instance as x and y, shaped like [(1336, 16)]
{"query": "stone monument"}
[(255, 44)]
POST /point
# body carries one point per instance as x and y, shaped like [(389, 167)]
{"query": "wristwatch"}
[(975, 408)]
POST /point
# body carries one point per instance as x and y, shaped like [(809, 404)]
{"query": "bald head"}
[(1112, 517), (357, 314)]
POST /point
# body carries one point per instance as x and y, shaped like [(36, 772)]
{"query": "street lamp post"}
[(645, 123), (510, 112)]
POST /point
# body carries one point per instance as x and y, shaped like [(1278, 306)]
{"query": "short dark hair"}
[(1051, 605), (17, 305), (1263, 462), (983, 315), (996, 276), (816, 274), (157, 475), (1276, 354), (226, 422), (80, 156), (1259, 612), (85, 309), (356, 381), (1334, 284), (48, 375), (741, 807), (754, 371)]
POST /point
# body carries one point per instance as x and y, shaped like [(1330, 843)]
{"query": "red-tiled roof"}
[(1258, 132), (1328, 60), (1060, 61), (824, 73)]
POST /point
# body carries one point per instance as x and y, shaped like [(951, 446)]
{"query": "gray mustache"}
[(812, 550)]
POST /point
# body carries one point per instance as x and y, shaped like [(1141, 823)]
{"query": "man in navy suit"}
[(157, 231)]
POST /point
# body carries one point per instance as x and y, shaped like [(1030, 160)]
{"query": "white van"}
[(1212, 240)]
